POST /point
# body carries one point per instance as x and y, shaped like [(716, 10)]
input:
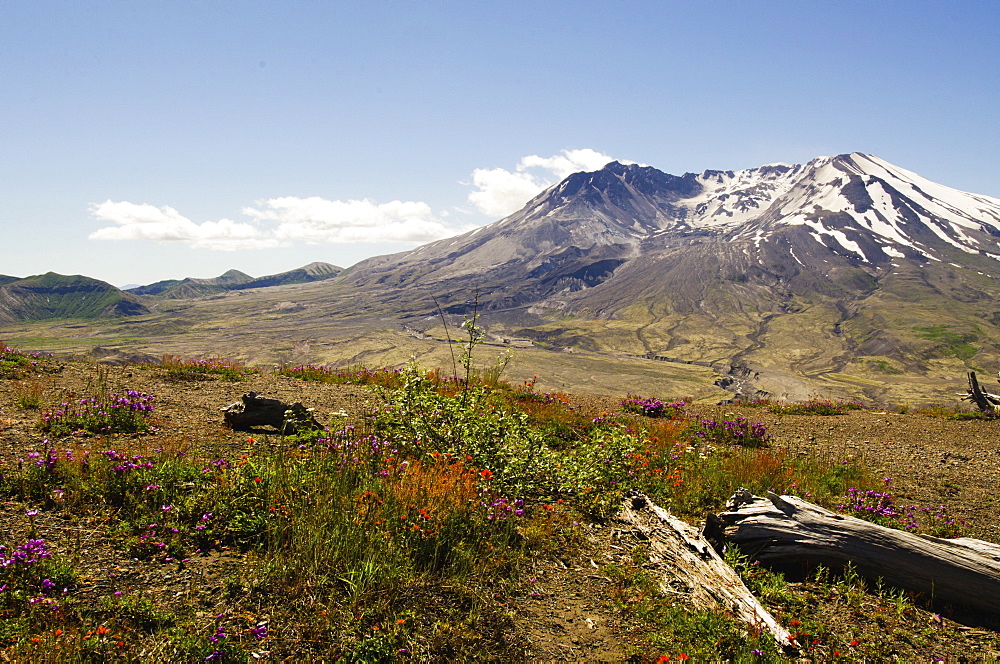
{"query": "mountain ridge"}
[(190, 287), (783, 270)]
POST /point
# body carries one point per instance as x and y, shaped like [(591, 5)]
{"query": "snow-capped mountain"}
[(857, 206), (804, 269), (849, 201)]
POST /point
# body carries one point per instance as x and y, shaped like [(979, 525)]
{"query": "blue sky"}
[(152, 140)]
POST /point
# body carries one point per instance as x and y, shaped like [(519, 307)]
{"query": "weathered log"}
[(253, 411), (689, 565), (783, 530), (984, 401)]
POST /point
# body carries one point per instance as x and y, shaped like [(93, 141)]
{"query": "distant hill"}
[(54, 296), (235, 280), (189, 287), (302, 275)]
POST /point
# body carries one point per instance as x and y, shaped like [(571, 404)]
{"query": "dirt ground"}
[(564, 613)]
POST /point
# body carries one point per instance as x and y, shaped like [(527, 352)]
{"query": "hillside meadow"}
[(442, 515)]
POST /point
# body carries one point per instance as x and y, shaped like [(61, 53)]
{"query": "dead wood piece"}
[(253, 411), (789, 530), (985, 402), (687, 561)]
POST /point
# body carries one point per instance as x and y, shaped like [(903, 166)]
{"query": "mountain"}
[(235, 280), (54, 296), (306, 274), (840, 269), (189, 287)]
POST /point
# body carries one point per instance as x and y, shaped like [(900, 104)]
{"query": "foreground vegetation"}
[(405, 534)]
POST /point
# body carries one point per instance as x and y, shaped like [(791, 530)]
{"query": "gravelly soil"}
[(565, 614)]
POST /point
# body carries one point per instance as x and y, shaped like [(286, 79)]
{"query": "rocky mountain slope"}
[(844, 266)]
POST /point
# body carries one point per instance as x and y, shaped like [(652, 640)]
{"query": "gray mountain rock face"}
[(841, 274), (834, 218)]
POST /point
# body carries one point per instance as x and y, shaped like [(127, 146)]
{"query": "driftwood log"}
[(688, 565), (788, 530), (254, 410), (985, 401)]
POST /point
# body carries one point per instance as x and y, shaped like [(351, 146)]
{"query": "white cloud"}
[(501, 192), (317, 219), (276, 222), (569, 162), (141, 221)]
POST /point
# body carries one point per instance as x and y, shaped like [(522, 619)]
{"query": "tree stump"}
[(788, 530), (253, 411)]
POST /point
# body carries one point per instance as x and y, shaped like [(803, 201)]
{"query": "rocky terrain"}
[(568, 612)]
